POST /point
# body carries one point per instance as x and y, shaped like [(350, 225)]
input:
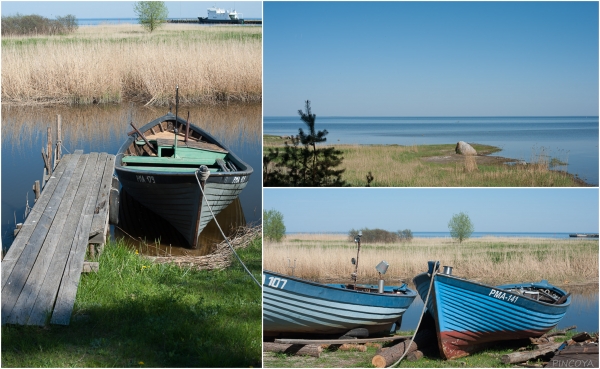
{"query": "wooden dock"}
[(41, 270)]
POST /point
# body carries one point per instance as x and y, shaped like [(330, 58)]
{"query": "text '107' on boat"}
[(469, 316), (180, 172), (297, 307)]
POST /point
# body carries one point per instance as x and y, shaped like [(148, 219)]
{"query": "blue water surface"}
[(573, 140)]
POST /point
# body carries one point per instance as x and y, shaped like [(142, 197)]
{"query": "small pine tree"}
[(301, 163)]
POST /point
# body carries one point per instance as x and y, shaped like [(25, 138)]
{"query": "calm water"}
[(583, 311), (571, 139), (486, 234), (103, 129)]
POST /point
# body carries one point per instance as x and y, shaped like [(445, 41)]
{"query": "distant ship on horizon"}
[(218, 15)]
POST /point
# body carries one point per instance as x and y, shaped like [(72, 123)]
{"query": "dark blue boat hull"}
[(176, 196), (470, 315), (293, 305)]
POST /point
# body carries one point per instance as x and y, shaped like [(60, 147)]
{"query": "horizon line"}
[(443, 116)]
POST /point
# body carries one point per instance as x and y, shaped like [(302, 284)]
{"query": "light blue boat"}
[(296, 306), (470, 315)]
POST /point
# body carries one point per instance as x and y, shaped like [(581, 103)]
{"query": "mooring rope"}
[(433, 273), (205, 173)]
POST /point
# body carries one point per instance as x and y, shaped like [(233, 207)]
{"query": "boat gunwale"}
[(409, 291), (500, 287), (170, 117)]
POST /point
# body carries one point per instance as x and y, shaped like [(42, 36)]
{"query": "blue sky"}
[(431, 58), (430, 209), (124, 9)]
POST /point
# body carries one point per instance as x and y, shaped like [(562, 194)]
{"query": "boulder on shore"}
[(463, 148)]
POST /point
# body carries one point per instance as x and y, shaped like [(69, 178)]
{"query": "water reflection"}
[(103, 128), (152, 235)]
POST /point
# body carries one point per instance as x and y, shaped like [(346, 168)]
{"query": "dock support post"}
[(36, 190), (58, 151)]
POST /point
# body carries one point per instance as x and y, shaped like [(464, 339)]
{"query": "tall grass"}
[(114, 63), (134, 313), (488, 259)]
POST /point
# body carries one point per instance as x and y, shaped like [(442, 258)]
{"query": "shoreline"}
[(446, 157)]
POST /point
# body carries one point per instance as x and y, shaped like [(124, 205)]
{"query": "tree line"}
[(28, 25)]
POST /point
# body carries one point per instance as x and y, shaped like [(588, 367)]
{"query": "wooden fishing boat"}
[(159, 165), (296, 306), (470, 315)]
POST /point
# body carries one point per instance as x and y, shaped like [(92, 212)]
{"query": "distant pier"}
[(197, 21)]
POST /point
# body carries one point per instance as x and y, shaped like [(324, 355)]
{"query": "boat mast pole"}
[(175, 124), (355, 274)]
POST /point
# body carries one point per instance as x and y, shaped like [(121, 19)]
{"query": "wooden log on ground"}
[(352, 347), (519, 357), (581, 337), (298, 350), (415, 355), (541, 340), (299, 341), (560, 333), (386, 358)]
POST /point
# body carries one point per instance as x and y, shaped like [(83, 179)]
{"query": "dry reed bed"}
[(221, 258), (117, 63), (487, 259)]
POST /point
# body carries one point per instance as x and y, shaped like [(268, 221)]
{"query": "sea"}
[(561, 235), (572, 140)]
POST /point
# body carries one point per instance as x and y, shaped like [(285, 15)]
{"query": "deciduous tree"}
[(151, 14), (460, 227), (273, 226)]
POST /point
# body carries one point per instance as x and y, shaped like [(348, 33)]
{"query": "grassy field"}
[(115, 63), (134, 313), (486, 259), (331, 358), (439, 166)]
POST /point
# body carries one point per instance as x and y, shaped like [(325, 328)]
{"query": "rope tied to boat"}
[(433, 273), (205, 173)]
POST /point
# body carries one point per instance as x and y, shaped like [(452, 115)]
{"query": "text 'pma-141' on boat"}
[(178, 171), (469, 315)]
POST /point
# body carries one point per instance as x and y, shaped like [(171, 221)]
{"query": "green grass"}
[(133, 313), (244, 34), (410, 166)]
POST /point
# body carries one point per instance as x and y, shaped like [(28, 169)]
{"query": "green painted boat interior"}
[(186, 160)]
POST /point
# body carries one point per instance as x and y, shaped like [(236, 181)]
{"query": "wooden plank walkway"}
[(41, 270)]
